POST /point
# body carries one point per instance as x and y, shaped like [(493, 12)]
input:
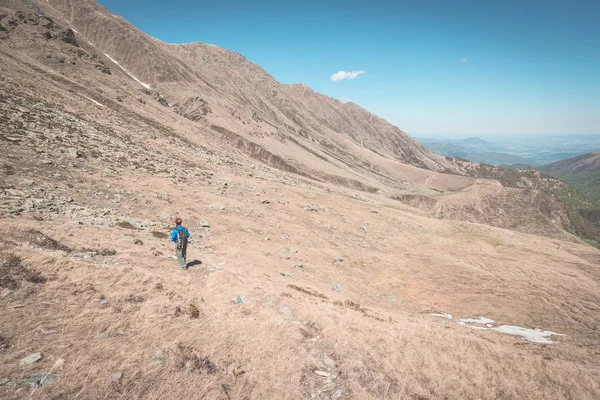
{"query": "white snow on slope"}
[(480, 320), (531, 335), (442, 314), (127, 72), (94, 101)]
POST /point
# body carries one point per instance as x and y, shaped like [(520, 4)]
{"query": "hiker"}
[(180, 235)]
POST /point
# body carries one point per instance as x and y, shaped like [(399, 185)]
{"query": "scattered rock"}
[(41, 380), (74, 153), (15, 192), (338, 261), (115, 379), (266, 202), (159, 358), (287, 313), (239, 300), (298, 265), (322, 373), (194, 109), (30, 359), (103, 68), (125, 225), (204, 224), (67, 36), (216, 207), (337, 287), (132, 298), (338, 393), (311, 207), (7, 382), (138, 242), (283, 255), (4, 343), (293, 250), (285, 273), (47, 331)]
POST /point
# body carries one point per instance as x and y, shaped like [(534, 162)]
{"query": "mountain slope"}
[(232, 86), (334, 279), (585, 163), (582, 173), (225, 99)]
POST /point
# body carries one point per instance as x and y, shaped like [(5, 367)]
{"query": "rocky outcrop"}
[(195, 109), (67, 36)]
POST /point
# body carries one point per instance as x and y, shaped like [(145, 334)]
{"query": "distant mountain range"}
[(475, 155), (517, 153), (474, 149)]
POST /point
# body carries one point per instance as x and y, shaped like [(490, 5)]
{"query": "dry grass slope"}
[(338, 279)]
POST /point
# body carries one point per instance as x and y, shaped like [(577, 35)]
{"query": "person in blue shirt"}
[(180, 235)]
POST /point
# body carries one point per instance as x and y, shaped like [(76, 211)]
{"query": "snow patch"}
[(74, 30), (532, 335), (442, 314), (480, 320), (127, 72), (94, 101)]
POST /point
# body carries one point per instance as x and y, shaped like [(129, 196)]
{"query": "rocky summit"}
[(331, 257)]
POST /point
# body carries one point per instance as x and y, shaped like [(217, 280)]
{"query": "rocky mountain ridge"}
[(230, 85)]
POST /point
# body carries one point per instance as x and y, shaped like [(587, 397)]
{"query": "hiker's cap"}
[(178, 221)]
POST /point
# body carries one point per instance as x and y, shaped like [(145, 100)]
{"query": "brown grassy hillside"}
[(336, 277)]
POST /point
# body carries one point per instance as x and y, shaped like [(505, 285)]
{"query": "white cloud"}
[(464, 60), (338, 76)]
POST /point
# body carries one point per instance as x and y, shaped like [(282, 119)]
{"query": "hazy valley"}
[(533, 151)]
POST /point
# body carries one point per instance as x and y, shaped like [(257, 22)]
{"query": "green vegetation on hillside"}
[(587, 183), (583, 213)]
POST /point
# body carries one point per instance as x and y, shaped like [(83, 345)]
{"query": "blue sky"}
[(434, 68)]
